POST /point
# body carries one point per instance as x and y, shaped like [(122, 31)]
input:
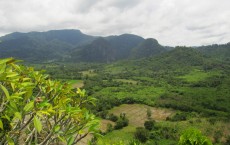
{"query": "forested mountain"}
[(124, 44), (42, 46), (107, 49), (148, 47), (74, 46), (98, 51), (221, 52)]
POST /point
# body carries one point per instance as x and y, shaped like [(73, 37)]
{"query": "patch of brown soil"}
[(137, 113)]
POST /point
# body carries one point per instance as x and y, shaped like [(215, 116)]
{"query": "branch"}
[(27, 123), (30, 135), (51, 133), (3, 106), (81, 137)]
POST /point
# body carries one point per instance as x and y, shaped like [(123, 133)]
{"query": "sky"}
[(171, 22)]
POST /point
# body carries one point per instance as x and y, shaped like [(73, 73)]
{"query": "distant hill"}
[(42, 46), (221, 52), (149, 47), (107, 49), (123, 44), (179, 59), (98, 51), (74, 46)]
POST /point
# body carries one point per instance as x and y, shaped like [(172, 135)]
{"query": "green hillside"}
[(135, 80)]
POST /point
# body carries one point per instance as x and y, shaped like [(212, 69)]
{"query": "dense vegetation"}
[(193, 83), (183, 79)]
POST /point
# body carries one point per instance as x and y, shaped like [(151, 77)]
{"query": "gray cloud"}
[(171, 22)]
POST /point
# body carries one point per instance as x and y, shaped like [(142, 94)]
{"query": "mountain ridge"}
[(74, 46)]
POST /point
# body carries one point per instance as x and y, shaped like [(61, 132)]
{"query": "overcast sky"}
[(171, 22)]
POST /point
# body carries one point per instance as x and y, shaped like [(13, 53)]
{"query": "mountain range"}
[(75, 46)]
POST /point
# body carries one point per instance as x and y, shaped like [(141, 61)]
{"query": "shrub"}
[(121, 122), (113, 117), (193, 137), (141, 134), (149, 125), (109, 127), (37, 110)]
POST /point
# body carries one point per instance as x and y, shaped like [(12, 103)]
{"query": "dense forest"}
[(146, 93)]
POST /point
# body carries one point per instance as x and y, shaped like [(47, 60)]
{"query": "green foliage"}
[(141, 134), (193, 137), (181, 116), (113, 117), (109, 127), (121, 122), (149, 124), (37, 110), (148, 113)]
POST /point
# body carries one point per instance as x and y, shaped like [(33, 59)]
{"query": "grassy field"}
[(124, 135), (137, 113), (76, 83), (198, 75), (127, 81), (89, 73), (148, 94)]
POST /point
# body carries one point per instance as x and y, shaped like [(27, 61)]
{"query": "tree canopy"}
[(36, 109)]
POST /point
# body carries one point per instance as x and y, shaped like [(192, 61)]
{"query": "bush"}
[(109, 127), (193, 137), (141, 134), (149, 125), (182, 116), (121, 122), (113, 117)]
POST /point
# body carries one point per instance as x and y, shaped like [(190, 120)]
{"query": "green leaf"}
[(29, 106), (11, 74), (6, 60), (12, 86), (70, 140), (57, 128), (93, 127), (10, 141), (61, 138), (1, 125), (18, 115), (2, 68), (13, 106), (5, 91), (37, 124)]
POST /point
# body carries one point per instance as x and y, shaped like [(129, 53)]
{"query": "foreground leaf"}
[(29, 107), (37, 124)]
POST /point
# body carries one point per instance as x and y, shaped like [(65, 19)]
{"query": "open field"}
[(76, 83), (137, 113), (127, 81), (124, 135), (198, 75), (89, 73)]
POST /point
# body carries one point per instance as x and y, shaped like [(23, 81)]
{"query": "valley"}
[(131, 77)]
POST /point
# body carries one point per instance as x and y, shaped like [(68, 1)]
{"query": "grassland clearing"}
[(198, 75), (127, 81), (125, 135), (89, 73), (137, 113), (76, 83)]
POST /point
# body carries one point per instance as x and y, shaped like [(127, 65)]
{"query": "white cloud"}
[(171, 22)]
